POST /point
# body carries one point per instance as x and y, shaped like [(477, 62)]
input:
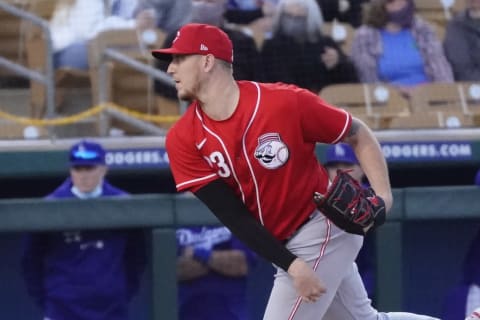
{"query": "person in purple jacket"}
[(84, 275), (212, 270)]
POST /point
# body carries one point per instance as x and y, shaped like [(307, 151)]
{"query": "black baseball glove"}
[(350, 206)]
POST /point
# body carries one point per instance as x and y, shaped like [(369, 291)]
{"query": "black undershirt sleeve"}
[(233, 213)]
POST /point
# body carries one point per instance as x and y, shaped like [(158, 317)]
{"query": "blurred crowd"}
[(293, 40), (310, 43)]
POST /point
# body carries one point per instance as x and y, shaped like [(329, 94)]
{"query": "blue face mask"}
[(208, 13)]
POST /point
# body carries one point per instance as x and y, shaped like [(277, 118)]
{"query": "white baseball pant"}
[(331, 252)]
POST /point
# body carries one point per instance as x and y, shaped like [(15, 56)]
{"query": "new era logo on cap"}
[(197, 38), (176, 37)]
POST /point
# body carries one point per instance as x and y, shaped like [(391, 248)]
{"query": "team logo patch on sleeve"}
[(271, 152)]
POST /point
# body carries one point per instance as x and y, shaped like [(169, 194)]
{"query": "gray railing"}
[(111, 54), (115, 55), (47, 77)]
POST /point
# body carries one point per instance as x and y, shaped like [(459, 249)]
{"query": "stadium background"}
[(432, 249)]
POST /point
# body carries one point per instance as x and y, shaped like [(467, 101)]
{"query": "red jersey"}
[(265, 151)]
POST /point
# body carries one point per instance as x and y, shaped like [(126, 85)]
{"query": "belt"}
[(294, 233)]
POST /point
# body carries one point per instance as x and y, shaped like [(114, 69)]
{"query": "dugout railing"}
[(160, 214)]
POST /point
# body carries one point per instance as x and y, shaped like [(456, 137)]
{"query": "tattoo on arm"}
[(354, 128)]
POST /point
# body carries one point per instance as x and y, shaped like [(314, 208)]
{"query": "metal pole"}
[(103, 84), (49, 74), (144, 68), (164, 275), (21, 70), (48, 79)]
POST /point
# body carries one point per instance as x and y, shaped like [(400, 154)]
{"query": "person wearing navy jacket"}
[(213, 267), (90, 274)]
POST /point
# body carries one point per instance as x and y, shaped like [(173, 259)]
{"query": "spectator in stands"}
[(348, 11), (299, 53), (170, 14), (464, 298), (341, 157), (398, 47), (246, 58), (84, 275), (75, 22), (212, 270), (462, 43), (254, 21)]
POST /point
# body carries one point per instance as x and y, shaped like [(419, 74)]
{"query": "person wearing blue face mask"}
[(84, 275), (398, 47), (298, 52), (74, 23)]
